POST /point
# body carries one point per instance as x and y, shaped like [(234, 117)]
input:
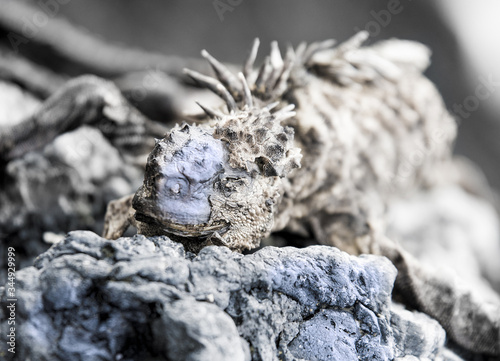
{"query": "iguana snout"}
[(182, 174)]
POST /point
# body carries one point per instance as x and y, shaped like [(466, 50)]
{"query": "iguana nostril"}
[(175, 188)]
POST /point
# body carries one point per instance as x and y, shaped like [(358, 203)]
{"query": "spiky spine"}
[(360, 115)]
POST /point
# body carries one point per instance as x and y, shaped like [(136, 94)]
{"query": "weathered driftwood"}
[(86, 100), (64, 47)]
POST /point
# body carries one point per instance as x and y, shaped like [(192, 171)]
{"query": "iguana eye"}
[(230, 184)]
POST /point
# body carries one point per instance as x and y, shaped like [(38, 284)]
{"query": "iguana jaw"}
[(202, 230)]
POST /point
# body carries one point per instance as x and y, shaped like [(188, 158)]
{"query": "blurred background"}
[(464, 37)]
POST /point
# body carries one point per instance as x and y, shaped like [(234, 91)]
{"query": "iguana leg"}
[(118, 217)]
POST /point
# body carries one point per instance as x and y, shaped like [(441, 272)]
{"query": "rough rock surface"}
[(451, 228), (88, 298), (408, 328), (65, 186)]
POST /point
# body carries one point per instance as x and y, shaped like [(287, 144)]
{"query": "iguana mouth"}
[(202, 230)]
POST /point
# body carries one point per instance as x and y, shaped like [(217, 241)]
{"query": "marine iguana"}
[(315, 143)]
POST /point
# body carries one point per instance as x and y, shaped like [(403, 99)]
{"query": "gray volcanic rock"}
[(65, 186), (138, 298), (408, 328)]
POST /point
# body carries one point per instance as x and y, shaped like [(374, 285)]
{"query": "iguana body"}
[(360, 113), (367, 125)]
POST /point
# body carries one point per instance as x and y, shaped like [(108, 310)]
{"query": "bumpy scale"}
[(315, 143)]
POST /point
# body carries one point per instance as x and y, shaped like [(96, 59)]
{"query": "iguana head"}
[(218, 183)]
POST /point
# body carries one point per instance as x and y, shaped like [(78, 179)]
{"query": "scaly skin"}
[(324, 170)]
